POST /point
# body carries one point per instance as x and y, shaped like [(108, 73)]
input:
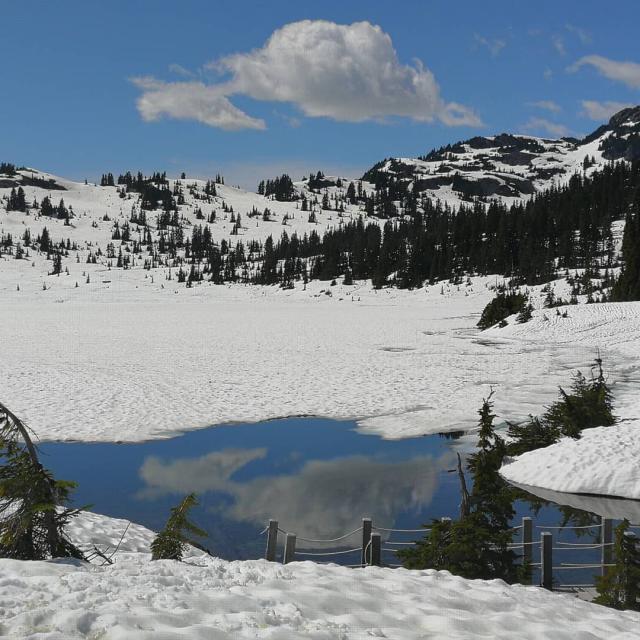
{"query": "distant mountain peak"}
[(508, 166), (627, 117)]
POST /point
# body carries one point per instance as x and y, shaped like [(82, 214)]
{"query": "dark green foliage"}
[(7, 168), (476, 545), (44, 240), (501, 307), (17, 201), (467, 548), (533, 434), (427, 241), (566, 227), (280, 188), (619, 588), (589, 404), (171, 542), (491, 495), (32, 512), (628, 285)]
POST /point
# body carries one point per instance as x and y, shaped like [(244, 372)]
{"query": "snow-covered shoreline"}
[(204, 597), (136, 599)]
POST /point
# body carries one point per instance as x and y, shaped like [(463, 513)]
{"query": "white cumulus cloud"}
[(349, 73), (602, 110), (619, 70), (191, 101)]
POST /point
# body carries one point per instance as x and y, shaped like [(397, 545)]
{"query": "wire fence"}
[(380, 547)]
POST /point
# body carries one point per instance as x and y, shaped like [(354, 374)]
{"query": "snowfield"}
[(132, 364), (203, 597)]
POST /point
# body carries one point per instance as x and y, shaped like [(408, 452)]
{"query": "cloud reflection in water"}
[(323, 499)]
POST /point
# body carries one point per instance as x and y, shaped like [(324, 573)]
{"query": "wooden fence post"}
[(546, 560), (289, 548), (376, 546), (527, 539), (607, 548), (367, 526), (272, 541), (630, 594)]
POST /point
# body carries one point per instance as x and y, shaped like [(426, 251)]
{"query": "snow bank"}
[(209, 598), (204, 597), (604, 461)]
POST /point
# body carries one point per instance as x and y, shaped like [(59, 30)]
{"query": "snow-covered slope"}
[(510, 167), (95, 211), (203, 597)]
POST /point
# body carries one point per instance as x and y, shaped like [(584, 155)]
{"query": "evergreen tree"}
[(45, 241), (46, 208), (351, 193), (476, 545), (57, 264), (589, 404), (7, 168), (280, 188), (17, 200), (172, 541), (526, 313), (501, 307), (33, 515), (619, 588), (628, 285)]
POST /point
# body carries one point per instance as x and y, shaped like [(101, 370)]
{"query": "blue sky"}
[(91, 87)]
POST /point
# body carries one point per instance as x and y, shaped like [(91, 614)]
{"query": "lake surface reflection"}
[(317, 477)]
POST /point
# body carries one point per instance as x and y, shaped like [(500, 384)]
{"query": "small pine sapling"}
[(172, 541)]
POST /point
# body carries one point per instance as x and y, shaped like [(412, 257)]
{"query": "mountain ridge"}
[(508, 166)]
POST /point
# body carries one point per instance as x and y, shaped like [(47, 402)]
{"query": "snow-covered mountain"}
[(104, 227), (509, 167)]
